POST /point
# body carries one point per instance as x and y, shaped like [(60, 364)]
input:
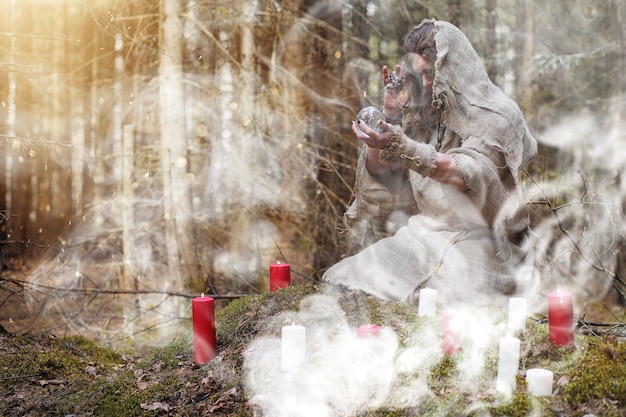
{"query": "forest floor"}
[(42, 375)]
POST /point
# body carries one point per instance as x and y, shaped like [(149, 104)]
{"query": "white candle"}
[(427, 302), (293, 340), (517, 314), (508, 364), (539, 381)]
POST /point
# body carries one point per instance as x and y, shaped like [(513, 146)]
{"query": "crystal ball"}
[(371, 116)]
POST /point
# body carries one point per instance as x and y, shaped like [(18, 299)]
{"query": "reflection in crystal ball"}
[(370, 115)]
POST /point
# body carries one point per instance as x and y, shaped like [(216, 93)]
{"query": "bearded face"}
[(419, 75)]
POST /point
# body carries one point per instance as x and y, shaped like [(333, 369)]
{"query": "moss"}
[(518, 406), (245, 318), (387, 413), (46, 358), (443, 372), (361, 308), (539, 352), (169, 356), (111, 398), (88, 348), (234, 321), (600, 374), (121, 396), (589, 377), (448, 403)]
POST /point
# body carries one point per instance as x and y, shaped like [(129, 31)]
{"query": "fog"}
[(262, 140)]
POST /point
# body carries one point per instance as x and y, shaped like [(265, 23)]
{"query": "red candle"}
[(561, 318), (368, 330), (203, 317), (280, 276), (450, 331)]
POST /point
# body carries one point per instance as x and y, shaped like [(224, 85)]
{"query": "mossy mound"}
[(41, 375)]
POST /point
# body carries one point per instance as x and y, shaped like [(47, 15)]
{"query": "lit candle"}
[(280, 276), (450, 331), (561, 318), (539, 381), (203, 318), (427, 302), (517, 314), (508, 364), (368, 330), (293, 340)]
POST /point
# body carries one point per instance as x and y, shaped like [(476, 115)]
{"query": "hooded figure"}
[(437, 202)]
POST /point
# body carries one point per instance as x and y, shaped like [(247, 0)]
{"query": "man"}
[(447, 167)]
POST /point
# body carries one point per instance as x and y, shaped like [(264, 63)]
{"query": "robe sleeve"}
[(492, 189), (375, 199)]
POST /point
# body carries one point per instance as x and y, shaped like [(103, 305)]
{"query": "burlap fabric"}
[(414, 232)]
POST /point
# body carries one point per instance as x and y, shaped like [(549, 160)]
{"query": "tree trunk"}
[(619, 27), (5, 55), (491, 47), (118, 105), (18, 99), (456, 13), (182, 259), (523, 53), (128, 219), (77, 108), (620, 35), (10, 122), (97, 148)]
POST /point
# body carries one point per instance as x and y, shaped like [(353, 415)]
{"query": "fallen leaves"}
[(155, 406), (45, 382), (224, 400)]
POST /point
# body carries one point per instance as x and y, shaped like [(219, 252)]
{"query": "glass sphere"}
[(371, 116)]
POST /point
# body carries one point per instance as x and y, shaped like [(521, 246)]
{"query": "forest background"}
[(154, 151)]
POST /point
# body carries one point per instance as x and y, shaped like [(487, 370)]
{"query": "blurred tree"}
[(9, 115), (491, 47), (182, 258), (522, 66)]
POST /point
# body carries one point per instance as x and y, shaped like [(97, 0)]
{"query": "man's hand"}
[(371, 137), (392, 91), (375, 142)]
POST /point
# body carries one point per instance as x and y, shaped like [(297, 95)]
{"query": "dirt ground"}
[(44, 374), (47, 369)]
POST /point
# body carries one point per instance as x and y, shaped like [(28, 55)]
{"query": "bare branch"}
[(96, 291)]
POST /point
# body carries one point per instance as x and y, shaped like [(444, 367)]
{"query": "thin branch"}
[(96, 291), (8, 139), (598, 265), (34, 36)]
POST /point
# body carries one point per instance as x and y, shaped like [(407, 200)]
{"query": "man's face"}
[(423, 67)]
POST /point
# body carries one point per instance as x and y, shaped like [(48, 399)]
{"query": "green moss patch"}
[(599, 375)]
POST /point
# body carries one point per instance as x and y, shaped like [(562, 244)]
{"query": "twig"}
[(96, 291), (7, 378), (592, 326), (8, 138), (616, 281)]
